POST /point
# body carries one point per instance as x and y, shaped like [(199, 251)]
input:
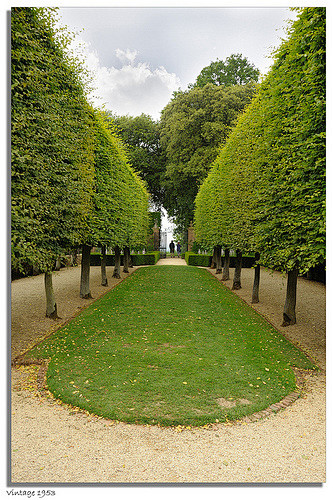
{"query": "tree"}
[(235, 70), (212, 221), (119, 215), (193, 127), (71, 182), (52, 143), (291, 225), (272, 168), (141, 138)]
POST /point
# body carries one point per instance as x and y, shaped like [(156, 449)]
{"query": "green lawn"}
[(164, 347)]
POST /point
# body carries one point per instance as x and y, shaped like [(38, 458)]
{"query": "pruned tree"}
[(119, 215), (291, 192), (271, 172), (52, 142)]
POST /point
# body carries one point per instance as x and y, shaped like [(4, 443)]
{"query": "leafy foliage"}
[(71, 180), (52, 143), (291, 222), (266, 190), (193, 126), (212, 221), (120, 215), (141, 138), (235, 70)]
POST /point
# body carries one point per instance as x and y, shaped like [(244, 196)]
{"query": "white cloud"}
[(134, 88), (126, 55)]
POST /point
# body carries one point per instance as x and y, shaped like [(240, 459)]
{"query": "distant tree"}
[(235, 70), (141, 138), (193, 127)]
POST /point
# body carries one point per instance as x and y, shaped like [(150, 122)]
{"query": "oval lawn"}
[(170, 345)]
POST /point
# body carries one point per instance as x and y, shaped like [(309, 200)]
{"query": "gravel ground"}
[(53, 443), (172, 261)]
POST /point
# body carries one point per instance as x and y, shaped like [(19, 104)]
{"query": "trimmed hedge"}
[(266, 189), (247, 261), (147, 259), (194, 259)]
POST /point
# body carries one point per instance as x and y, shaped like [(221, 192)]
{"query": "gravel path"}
[(53, 443), (171, 261)]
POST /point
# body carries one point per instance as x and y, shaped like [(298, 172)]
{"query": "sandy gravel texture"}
[(53, 443), (172, 261)]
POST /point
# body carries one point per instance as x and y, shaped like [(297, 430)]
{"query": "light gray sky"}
[(139, 56)]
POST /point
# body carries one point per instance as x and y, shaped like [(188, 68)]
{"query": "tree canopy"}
[(235, 70), (51, 143), (141, 138), (193, 127), (120, 213), (71, 180)]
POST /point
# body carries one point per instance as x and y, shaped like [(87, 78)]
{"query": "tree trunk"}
[(51, 306), (126, 259), (289, 314), (58, 263), (130, 262), (116, 271), (74, 257), (213, 265), (225, 275), (255, 290), (85, 273), (218, 259), (103, 267), (238, 269)]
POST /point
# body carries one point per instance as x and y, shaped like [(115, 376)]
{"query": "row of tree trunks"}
[(289, 312), (85, 293), (217, 262)]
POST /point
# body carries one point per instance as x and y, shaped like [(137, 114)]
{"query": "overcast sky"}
[(139, 56)]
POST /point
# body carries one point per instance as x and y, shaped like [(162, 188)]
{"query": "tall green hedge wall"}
[(266, 189), (71, 180), (51, 143)]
